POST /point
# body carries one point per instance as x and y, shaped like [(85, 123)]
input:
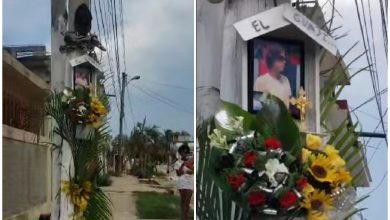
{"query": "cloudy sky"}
[(158, 47)]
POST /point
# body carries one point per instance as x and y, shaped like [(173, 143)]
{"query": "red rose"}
[(249, 158), (272, 144), (236, 181), (256, 198), (302, 183), (288, 200)]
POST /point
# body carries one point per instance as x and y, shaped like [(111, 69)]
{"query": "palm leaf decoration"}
[(86, 152)]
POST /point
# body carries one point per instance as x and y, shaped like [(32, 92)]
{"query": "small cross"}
[(301, 103)]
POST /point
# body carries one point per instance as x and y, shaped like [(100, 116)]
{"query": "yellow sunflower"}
[(321, 168), (98, 107), (334, 157), (342, 177), (307, 190), (313, 142), (318, 205)]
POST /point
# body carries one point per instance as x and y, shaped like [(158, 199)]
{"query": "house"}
[(26, 159)]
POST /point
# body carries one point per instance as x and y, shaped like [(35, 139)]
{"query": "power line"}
[(107, 40), (162, 100), (377, 126), (369, 100), (379, 184), (371, 71), (168, 85), (160, 96)]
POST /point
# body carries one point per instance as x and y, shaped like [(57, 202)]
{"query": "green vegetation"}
[(154, 205), (103, 180)]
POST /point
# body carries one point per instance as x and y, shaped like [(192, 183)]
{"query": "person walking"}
[(184, 167)]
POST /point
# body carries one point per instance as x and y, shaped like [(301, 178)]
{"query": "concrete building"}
[(26, 160)]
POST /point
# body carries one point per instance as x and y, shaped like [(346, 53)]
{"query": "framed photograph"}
[(82, 76), (275, 66)]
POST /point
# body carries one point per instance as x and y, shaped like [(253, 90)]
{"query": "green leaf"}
[(361, 199), (227, 110), (354, 212), (274, 120)]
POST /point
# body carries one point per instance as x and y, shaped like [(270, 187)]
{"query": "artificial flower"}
[(249, 158), (236, 181), (217, 139), (287, 200), (237, 124), (272, 144), (304, 186), (318, 205), (334, 157), (313, 142), (321, 168), (97, 107), (342, 177), (302, 183), (67, 95), (87, 186), (272, 167), (305, 153), (257, 198)]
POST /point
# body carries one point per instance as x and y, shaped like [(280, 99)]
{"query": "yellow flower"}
[(98, 107), (321, 168), (305, 154), (342, 177), (87, 186), (318, 205), (330, 150), (82, 203), (307, 190), (313, 142), (334, 157)]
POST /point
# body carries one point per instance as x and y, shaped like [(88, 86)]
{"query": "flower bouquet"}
[(83, 109), (269, 168)]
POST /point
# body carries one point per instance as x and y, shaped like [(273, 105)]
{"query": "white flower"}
[(217, 139), (272, 167), (237, 123)]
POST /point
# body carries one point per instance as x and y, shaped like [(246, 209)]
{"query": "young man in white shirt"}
[(274, 82)]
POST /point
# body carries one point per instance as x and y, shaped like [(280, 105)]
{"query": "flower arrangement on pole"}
[(269, 167)]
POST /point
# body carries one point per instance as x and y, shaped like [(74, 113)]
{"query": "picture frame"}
[(267, 73), (82, 76)]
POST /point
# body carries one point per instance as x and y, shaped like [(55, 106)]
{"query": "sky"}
[(159, 41), (359, 91), (159, 48)]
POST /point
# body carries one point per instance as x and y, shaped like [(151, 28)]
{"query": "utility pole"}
[(62, 19), (121, 117), (58, 26)]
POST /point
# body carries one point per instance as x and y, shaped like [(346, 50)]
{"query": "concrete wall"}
[(26, 175)]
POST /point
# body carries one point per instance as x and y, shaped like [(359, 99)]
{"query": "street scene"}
[(98, 110), (195, 109)]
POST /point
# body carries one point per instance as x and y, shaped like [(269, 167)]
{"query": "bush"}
[(146, 173), (104, 180)]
